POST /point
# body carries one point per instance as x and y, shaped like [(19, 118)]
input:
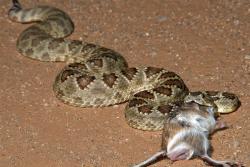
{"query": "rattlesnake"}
[(97, 76)]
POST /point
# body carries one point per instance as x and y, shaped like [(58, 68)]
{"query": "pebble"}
[(161, 18)]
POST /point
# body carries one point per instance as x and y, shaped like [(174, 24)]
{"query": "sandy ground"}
[(206, 42)]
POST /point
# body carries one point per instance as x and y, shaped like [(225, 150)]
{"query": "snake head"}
[(202, 99)]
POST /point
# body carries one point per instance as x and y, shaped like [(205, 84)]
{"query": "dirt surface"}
[(206, 42)]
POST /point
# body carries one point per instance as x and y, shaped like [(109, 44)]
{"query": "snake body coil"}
[(98, 76)]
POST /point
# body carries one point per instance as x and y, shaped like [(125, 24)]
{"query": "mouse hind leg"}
[(181, 152)]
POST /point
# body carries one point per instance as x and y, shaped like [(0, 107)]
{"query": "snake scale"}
[(97, 76)]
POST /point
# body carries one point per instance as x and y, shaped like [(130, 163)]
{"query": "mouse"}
[(186, 135)]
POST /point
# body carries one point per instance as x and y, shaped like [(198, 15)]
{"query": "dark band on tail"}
[(16, 6)]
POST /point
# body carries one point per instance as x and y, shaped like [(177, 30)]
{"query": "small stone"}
[(161, 18), (236, 22)]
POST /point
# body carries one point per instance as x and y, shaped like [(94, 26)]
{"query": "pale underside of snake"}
[(97, 76)]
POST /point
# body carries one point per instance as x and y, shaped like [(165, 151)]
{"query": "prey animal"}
[(186, 133)]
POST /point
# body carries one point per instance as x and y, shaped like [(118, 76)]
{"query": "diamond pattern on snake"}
[(97, 76)]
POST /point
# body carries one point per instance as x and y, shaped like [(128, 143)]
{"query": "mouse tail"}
[(152, 159), (214, 162)]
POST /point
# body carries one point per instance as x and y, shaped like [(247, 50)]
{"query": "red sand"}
[(206, 42)]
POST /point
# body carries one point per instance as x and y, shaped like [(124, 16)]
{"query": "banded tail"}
[(16, 6)]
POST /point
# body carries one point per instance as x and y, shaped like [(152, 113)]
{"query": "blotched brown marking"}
[(22, 44), (88, 47), (129, 73), (35, 42), (196, 93), (152, 71), (78, 66), (26, 35), (55, 43), (47, 25), (163, 90), (77, 99), (84, 80), (70, 89), (61, 50), (66, 73), (29, 52), (145, 109), (74, 44), (98, 101), (145, 94), (45, 56), (60, 22), (118, 95), (111, 55), (34, 29), (102, 50), (55, 18), (211, 93), (167, 75), (214, 98), (96, 62), (135, 102), (165, 109), (174, 82), (229, 95), (109, 79), (31, 31)]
